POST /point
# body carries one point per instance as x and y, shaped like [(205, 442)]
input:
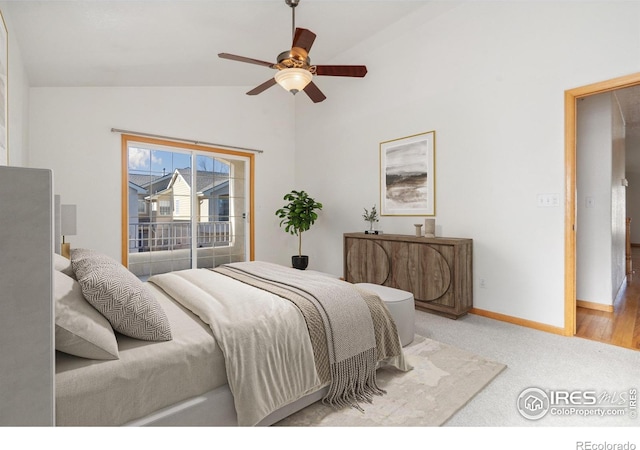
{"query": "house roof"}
[(138, 189), (151, 183), (204, 179)]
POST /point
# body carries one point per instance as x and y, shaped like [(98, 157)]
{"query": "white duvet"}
[(268, 354)]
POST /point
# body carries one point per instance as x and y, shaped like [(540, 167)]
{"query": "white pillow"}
[(80, 329), (121, 297), (62, 264)]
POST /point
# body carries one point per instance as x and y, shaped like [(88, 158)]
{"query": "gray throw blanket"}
[(356, 326)]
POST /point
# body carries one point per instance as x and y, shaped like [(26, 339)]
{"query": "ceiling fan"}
[(295, 72)]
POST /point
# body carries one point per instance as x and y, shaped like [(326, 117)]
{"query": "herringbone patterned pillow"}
[(122, 298), (80, 329)]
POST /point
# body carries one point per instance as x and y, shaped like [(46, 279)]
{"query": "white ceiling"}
[(176, 42)]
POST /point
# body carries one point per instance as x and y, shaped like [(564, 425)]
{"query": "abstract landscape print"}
[(407, 176)]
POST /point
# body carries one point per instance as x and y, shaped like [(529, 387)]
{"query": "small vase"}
[(418, 229)]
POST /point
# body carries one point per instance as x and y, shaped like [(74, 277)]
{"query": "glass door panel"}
[(223, 211), (160, 232), (186, 208)]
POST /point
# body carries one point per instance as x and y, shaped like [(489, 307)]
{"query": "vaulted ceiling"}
[(176, 42)]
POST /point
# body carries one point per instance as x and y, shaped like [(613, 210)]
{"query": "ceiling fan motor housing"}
[(296, 57)]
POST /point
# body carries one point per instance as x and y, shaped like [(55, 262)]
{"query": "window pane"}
[(159, 227), (163, 196)]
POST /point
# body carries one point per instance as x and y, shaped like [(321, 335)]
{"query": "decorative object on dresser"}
[(438, 271), (429, 227), (407, 176), (297, 216), (371, 217)]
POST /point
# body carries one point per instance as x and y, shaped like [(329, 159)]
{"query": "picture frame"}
[(407, 175), (4, 92)]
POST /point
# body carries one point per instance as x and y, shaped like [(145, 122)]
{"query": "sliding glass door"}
[(187, 206)]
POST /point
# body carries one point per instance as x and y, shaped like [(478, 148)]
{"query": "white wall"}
[(594, 281), (633, 205), (618, 200), (489, 78), (18, 99), (70, 133)]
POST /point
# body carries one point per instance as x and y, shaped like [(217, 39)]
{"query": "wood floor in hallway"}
[(622, 326)]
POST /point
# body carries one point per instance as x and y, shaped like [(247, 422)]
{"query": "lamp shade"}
[(293, 79), (68, 220)]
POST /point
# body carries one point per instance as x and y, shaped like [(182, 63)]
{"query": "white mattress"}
[(147, 377)]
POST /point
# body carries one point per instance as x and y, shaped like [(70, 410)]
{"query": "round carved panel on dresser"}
[(434, 270), (367, 262)]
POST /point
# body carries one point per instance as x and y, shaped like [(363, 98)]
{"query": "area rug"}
[(443, 380)]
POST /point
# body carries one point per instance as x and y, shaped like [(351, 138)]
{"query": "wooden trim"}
[(124, 201), (126, 138), (570, 98), (570, 215), (252, 171), (635, 245), (593, 305), (518, 321)]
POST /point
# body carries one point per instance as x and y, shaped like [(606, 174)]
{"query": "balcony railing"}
[(154, 236)]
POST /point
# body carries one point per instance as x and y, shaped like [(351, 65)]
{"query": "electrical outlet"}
[(589, 202), (548, 200), (483, 283)]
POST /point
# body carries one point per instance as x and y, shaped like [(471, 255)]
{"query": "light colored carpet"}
[(443, 380), (534, 359)]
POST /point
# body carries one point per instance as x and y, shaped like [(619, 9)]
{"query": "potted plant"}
[(371, 217), (297, 216)]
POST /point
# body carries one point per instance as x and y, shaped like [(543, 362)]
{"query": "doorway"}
[(184, 206), (571, 98)]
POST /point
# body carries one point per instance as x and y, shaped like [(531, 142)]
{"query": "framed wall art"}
[(407, 176), (4, 106)]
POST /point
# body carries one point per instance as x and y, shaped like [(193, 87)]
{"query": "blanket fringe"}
[(354, 381)]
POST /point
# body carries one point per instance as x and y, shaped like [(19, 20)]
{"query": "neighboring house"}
[(162, 218)]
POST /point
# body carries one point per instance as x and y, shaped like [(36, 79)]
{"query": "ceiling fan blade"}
[(247, 60), (342, 71), (303, 39), (314, 93), (263, 87)]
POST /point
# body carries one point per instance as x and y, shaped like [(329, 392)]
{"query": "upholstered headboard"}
[(26, 301)]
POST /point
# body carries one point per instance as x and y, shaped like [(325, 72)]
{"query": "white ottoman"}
[(401, 306)]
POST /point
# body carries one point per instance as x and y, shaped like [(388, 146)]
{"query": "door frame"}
[(571, 97), (125, 138)]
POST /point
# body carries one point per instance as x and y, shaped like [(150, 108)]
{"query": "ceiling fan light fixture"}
[(293, 79)]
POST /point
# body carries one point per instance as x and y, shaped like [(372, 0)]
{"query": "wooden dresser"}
[(438, 271)]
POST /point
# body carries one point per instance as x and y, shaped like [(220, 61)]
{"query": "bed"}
[(65, 363), (241, 344)]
